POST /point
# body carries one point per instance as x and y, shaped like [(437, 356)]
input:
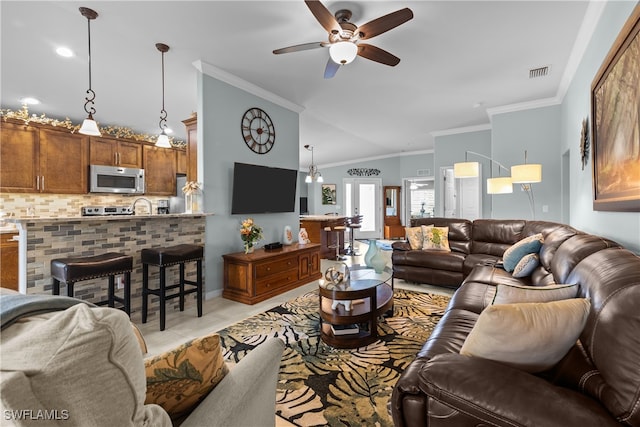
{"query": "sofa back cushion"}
[(83, 361), (494, 236), (572, 251), (459, 231), (610, 278)]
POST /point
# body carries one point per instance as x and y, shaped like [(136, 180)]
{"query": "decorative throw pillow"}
[(414, 236), (180, 378), (532, 337), (435, 238), (526, 265), (514, 254), (510, 294)]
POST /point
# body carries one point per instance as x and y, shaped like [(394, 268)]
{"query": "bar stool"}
[(338, 229), (163, 258), (353, 223), (75, 269)]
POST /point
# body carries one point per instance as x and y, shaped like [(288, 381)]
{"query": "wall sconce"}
[(524, 174), (89, 126), (163, 139), (314, 174)]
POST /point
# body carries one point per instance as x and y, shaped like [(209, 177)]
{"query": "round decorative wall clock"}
[(258, 131), (584, 142)]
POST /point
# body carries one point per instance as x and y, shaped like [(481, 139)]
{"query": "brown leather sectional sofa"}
[(596, 384)]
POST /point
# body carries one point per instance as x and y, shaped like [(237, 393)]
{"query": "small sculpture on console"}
[(338, 278)]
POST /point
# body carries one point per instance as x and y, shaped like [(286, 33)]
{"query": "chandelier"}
[(314, 174)]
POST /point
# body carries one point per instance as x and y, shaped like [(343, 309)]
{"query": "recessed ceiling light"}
[(30, 101), (64, 52)]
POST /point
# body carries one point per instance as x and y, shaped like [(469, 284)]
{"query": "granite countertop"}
[(321, 217), (39, 219), (8, 228)]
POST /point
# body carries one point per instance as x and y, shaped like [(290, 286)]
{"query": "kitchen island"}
[(44, 239), (315, 225)]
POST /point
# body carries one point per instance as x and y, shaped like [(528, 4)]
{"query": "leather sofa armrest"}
[(246, 396), (401, 246), (499, 395)]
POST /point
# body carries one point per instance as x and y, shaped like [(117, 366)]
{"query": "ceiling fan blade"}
[(299, 47), (378, 55), (384, 23), (331, 69), (324, 17)]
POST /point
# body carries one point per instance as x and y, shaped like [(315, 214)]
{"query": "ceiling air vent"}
[(538, 72)]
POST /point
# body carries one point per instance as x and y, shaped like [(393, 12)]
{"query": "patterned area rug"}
[(319, 385)]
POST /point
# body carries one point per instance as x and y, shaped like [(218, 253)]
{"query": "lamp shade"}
[(527, 173), (466, 170), (89, 127), (163, 141), (308, 179), (320, 178), (343, 52), (500, 185)]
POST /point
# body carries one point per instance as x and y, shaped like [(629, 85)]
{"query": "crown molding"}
[(521, 106), (235, 81), (466, 129), (368, 159)]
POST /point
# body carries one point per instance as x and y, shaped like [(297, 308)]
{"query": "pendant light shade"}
[(89, 125), (499, 185), (343, 52), (163, 139)]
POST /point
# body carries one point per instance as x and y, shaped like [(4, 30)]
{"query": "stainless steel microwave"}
[(115, 179)]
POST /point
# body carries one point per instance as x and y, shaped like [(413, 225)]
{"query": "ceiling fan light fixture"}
[(343, 52)]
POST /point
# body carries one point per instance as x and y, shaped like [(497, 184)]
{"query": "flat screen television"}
[(263, 189)]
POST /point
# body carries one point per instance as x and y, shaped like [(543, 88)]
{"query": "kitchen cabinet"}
[(9, 261), (43, 160), (182, 164), (191, 125), (18, 158), (114, 152), (160, 170)]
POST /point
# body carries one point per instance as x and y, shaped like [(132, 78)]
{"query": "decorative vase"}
[(188, 203), (248, 248), (373, 249), (287, 238), (378, 262)]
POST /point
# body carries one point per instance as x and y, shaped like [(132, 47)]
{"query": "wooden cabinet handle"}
[(42, 182), (38, 182)]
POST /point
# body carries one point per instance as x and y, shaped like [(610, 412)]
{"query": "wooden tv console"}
[(255, 277)]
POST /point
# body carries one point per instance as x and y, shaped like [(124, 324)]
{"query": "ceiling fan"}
[(344, 37)]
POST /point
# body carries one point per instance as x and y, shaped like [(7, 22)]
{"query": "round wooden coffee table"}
[(370, 295)]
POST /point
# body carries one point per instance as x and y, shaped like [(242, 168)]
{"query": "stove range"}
[(106, 210)]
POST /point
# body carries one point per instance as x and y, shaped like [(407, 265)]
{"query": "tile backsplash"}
[(65, 205)]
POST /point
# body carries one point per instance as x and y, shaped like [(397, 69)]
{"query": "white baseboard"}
[(213, 294)]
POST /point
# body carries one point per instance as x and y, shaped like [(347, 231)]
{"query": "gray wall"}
[(450, 149), (537, 131), (623, 227), (222, 107)]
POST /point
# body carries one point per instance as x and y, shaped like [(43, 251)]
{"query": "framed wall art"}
[(615, 111), (328, 194)]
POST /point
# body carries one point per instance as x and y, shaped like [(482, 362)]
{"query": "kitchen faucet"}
[(133, 205)]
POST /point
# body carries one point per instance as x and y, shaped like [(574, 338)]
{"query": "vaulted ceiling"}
[(458, 59)]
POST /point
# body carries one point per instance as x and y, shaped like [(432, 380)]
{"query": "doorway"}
[(419, 199), (460, 197), (363, 196)]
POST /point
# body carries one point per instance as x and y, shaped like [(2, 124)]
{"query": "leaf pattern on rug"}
[(319, 385)]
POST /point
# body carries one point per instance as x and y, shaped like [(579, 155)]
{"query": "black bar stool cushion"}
[(172, 255), (74, 269)]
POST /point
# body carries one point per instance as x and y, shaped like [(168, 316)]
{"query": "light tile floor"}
[(219, 313)]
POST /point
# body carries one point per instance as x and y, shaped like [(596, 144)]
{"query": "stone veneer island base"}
[(44, 239)]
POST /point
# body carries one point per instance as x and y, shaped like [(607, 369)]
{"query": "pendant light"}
[(163, 139), (89, 126), (314, 174)]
